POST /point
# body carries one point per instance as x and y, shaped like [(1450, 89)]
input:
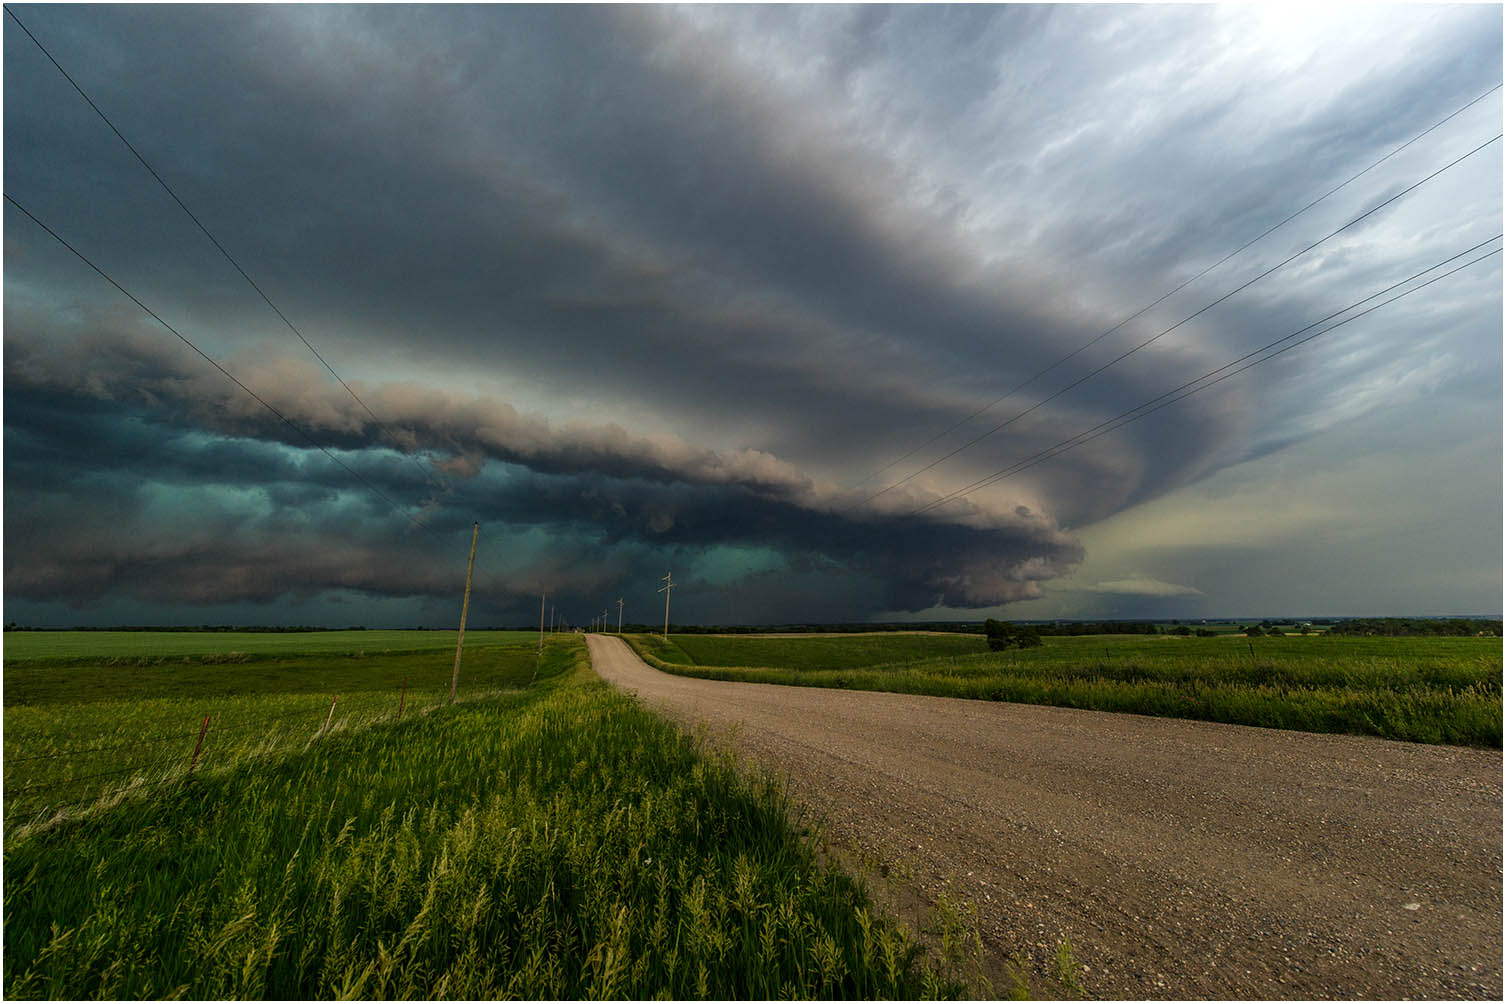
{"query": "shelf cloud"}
[(653, 287)]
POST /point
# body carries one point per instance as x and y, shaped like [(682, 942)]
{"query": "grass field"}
[(544, 838), (1432, 690), (821, 651), (94, 646)]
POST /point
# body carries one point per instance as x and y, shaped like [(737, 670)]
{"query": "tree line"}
[(1406, 627)]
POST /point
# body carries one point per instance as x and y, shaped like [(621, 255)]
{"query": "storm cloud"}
[(649, 287)]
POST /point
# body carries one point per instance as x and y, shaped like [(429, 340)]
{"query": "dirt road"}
[(1183, 859)]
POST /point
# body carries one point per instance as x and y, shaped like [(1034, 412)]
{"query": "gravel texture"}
[(1183, 859)]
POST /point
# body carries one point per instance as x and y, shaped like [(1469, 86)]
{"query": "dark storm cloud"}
[(111, 425), (804, 239), (558, 182)]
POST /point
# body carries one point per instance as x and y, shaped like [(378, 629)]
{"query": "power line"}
[(1129, 352), (233, 379), (1179, 393), (1087, 345), (220, 247)]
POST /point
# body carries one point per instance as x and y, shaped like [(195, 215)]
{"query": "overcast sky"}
[(645, 289)]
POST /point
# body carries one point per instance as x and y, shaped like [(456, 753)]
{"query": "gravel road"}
[(1183, 859)]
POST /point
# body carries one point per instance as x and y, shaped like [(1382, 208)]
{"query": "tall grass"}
[(554, 842), (78, 732), (1430, 690)]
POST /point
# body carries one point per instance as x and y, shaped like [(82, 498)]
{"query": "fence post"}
[(204, 728), (465, 605), (401, 698), (331, 716)]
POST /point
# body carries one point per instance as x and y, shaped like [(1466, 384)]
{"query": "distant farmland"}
[(96, 645), (1431, 690)]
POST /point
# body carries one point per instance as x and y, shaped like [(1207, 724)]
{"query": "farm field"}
[(100, 645), (821, 651), (545, 837), (1432, 690)]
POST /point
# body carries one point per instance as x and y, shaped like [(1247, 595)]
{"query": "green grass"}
[(807, 652), (98, 645), (1430, 690), (128, 678), (554, 840)]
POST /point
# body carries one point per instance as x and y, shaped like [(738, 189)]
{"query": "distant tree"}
[(1253, 631), (1305, 630), (1182, 629), (1206, 633), (1002, 635)]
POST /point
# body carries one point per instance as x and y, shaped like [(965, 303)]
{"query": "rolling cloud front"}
[(660, 288)]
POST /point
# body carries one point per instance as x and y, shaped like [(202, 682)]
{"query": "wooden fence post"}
[(465, 606), (204, 728), (401, 698)]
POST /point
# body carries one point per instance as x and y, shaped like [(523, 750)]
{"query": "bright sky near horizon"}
[(646, 288)]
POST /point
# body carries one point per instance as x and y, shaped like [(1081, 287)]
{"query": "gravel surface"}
[(1183, 859)]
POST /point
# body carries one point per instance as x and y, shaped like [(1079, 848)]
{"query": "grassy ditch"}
[(556, 841), (1429, 690)]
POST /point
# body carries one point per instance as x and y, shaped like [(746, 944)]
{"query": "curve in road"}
[(1183, 859)]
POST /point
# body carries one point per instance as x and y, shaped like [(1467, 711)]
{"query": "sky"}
[(709, 291)]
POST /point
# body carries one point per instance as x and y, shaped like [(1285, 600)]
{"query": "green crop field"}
[(545, 837), (99, 645), (821, 651), (1432, 690)]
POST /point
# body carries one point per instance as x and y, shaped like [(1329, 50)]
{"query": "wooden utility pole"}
[(541, 622), (619, 615), (465, 606), (669, 583)]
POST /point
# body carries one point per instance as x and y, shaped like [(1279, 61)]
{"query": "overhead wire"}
[(221, 248), (1243, 247), (1129, 352), (232, 377), (1167, 399)]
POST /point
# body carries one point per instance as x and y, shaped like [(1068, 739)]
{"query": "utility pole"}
[(541, 622), (465, 606), (619, 615), (551, 619), (669, 584)]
